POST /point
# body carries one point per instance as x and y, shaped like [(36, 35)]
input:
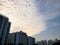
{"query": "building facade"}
[(18, 38), (31, 41), (50, 42), (4, 29), (23, 38), (11, 39)]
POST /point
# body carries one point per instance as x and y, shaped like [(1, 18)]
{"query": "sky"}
[(33, 16)]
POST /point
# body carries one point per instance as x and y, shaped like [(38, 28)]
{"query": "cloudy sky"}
[(32, 16)]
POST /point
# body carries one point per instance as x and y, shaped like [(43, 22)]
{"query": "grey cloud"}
[(48, 8)]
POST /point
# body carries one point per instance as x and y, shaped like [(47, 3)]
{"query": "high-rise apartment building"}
[(18, 38), (4, 29), (31, 41), (11, 39)]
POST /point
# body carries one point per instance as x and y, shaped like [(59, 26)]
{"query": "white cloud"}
[(23, 16)]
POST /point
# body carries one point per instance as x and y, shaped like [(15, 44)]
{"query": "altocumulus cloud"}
[(30, 16), (23, 16)]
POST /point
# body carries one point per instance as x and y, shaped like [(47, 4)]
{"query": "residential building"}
[(17, 38), (4, 29), (31, 41)]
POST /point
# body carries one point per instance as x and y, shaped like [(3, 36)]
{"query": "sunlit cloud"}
[(29, 16), (23, 16)]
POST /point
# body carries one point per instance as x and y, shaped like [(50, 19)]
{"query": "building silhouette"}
[(17, 38), (11, 39), (4, 29), (31, 40), (56, 42), (50, 42), (23, 38), (20, 38)]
